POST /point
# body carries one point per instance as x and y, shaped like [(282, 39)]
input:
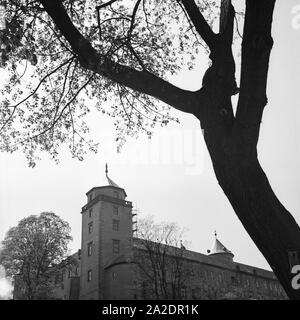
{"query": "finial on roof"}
[(215, 234), (109, 181)]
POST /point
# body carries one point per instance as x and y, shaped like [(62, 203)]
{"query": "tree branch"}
[(98, 13), (14, 107), (141, 81), (227, 15), (136, 6), (199, 22)]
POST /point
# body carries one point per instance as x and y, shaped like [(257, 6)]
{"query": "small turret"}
[(219, 250)]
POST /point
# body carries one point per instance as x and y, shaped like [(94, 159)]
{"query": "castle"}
[(106, 266)]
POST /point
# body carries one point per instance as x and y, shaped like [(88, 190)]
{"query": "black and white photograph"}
[(149, 153)]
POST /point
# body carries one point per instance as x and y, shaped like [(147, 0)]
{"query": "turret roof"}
[(218, 247)]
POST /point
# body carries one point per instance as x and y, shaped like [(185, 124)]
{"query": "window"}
[(90, 197), (183, 293), (90, 227), (90, 248), (115, 225), (76, 271), (116, 210), (116, 246), (69, 273), (90, 212), (89, 275), (220, 278), (270, 285), (116, 194), (234, 281), (114, 275)]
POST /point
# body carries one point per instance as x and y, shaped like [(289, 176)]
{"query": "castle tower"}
[(106, 243)]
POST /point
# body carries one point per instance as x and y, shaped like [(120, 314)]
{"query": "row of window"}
[(91, 196), (220, 277), (115, 211), (89, 275), (115, 225), (60, 277), (115, 247)]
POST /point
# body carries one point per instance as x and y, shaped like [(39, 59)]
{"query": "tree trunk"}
[(271, 227)]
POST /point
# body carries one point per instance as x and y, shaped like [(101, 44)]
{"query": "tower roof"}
[(107, 182), (218, 247)]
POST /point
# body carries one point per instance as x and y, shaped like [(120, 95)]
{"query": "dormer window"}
[(90, 197)]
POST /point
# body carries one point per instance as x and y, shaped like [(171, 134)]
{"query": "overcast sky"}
[(173, 181)]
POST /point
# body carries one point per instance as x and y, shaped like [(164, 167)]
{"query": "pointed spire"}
[(218, 246), (109, 181)]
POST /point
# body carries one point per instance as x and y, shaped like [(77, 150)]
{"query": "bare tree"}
[(159, 255), (127, 50)]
